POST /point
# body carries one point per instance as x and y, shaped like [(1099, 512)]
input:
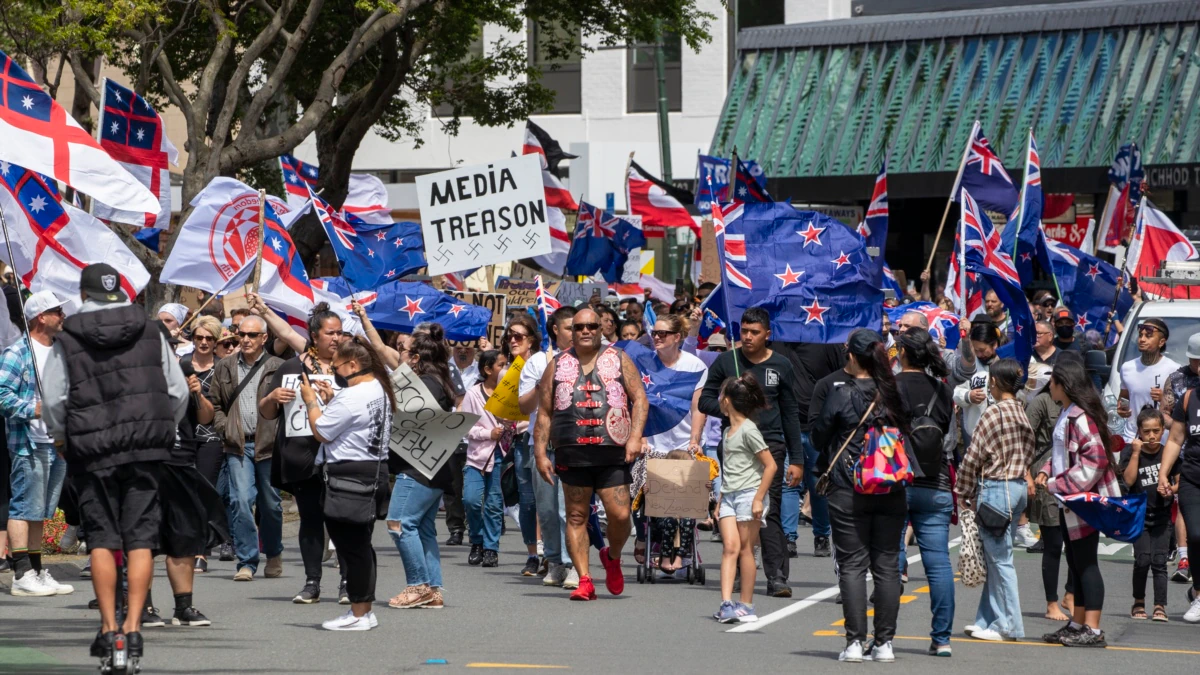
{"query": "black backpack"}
[(926, 439)]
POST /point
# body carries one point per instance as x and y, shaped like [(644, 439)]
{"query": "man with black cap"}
[(1143, 378), (113, 387)]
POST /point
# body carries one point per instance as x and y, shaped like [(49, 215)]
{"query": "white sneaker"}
[(371, 620), (1190, 616), (541, 549), (852, 653), (556, 575), (30, 585), (970, 629), (1024, 537), (572, 580), (987, 634), (881, 653), (348, 621), (49, 582)]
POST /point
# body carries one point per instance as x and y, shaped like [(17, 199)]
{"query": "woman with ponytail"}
[(353, 428), (866, 528), (972, 395)]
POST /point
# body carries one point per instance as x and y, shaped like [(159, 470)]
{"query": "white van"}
[(1183, 320)]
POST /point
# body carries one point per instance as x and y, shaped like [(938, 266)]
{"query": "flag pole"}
[(962, 269), (1021, 201), (211, 297), (949, 200), (719, 238), (37, 378), (262, 218)]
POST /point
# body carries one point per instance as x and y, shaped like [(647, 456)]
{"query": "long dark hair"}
[(878, 367), (434, 356), (524, 320), (744, 394), (1077, 384), (920, 351), (1007, 375), (360, 350)]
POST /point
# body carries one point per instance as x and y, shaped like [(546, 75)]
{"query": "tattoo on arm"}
[(637, 394)]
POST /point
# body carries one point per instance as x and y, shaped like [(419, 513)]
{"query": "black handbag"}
[(349, 500), (991, 519)]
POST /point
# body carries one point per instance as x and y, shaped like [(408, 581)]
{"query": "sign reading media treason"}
[(485, 214)]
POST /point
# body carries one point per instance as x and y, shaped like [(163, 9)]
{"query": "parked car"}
[(1183, 320)]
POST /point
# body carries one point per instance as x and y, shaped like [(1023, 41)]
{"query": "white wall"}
[(804, 11)]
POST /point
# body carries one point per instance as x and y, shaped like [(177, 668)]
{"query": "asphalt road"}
[(496, 619)]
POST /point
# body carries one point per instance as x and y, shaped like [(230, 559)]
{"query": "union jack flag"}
[(874, 227), (546, 305), (979, 236), (984, 176), (595, 222), (334, 224)]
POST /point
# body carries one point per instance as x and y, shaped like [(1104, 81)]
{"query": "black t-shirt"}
[(1158, 507), (443, 480), (780, 421), (1189, 455), (1053, 359), (811, 362), (297, 454), (917, 390), (821, 392)]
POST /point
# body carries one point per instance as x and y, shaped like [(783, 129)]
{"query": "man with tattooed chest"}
[(593, 407)]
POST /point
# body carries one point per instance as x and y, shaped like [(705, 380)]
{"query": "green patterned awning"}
[(841, 96)]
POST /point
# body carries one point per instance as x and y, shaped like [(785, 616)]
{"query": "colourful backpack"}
[(883, 463)]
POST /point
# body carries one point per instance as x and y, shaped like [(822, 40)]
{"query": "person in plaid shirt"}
[(993, 473), (1081, 461), (37, 470)]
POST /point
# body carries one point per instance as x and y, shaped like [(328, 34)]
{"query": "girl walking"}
[(488, 442)]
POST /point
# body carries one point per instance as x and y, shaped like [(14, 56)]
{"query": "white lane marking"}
[(1110, 549), (809, 601)]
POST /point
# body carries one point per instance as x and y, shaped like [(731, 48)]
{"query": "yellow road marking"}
[(515, 665), (923, 589), (905, 599), (1025, 643)]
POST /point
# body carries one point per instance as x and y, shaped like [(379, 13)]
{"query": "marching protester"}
[(239, 382), (1143, 378), (1081, 462), (36, 471), (779, 423), (520, 336), (548, 496), (120, 429), (930, 500), (972, 396), (488, 442), (1042, 411), (412, 513), (199, 364), (1177, 384), (991, 481), (1044, 351), (353, 428), (595, 425), (1064, 331), (1141, 463), (1183, 448), (866, 528), (293, 466)]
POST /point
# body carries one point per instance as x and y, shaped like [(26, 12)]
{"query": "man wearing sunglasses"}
[(1142, 379), (593, 407)]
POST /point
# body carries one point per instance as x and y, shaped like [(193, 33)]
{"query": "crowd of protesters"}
[(204, 457)]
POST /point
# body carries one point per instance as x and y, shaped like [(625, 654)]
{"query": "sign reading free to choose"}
[(484, 214)]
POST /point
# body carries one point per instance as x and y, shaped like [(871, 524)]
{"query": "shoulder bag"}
[(351, 500), (823, 483)]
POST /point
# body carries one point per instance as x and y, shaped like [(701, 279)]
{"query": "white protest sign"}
[(423, 434), (295, 415), (484, 214)]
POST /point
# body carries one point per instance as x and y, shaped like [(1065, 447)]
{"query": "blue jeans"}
[(551, 513), (415, 507), (484, 504), (1000, 604), (246, 484), (818, 504), (789, 506), (37, 477), (929, 511), (527, 510)]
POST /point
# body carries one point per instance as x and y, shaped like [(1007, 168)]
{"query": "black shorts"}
[(119, 506), (595, 477), (184, 531)]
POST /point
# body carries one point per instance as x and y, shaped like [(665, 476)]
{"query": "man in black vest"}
[(112, 387)]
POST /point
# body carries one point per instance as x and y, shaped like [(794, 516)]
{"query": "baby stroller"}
[(666, 539)]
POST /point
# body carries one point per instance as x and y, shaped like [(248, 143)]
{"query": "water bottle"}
[(1116, 423)]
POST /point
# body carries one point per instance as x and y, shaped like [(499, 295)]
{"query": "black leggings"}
[(1189, 510), (1052, 541), (1082, 562), (312, 524)]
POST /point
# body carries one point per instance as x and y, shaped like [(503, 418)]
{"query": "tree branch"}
[(295, 40), (84, 78)]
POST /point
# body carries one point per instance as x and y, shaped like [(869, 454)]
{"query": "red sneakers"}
[(614, 579), (586, 590)]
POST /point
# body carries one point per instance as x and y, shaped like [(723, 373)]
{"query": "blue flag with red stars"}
[(371, 255), (401, 305)]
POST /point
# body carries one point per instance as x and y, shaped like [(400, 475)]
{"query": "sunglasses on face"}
[(517, 336), (1148, 331), (229, 344), (253, 335), (203, 338), (592, 327), (662, 334)]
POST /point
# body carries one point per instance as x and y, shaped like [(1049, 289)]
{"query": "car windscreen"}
[(1181, 327)]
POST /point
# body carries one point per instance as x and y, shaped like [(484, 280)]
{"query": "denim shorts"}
[(37, 480), (740, 505)]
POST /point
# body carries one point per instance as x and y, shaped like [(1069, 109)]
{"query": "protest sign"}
[(572, 294), (295, 415), (677, 488), (518, 292), (496, 303), (503, 402), (483, 214), (423, 434)]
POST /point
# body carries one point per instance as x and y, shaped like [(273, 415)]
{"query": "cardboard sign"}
[(423, 434), (518, 292), (295, 415), (503, 402), (677, 488), (573, 294), (483, 214), (496, 302)]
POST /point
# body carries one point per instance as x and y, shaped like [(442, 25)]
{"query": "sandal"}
[(1138, 611), (639, 552), (1160, 614)]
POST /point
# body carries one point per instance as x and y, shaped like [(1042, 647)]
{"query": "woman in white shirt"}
[(353, 428)]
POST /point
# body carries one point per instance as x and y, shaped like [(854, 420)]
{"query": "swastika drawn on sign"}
[(473, 249), (502, 244), (532, 238), (443, 256)]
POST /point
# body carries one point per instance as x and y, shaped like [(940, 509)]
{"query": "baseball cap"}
[(41, 302), (1193, 348), (102, 282), (1064, 313), (718, 340), (1157, 323)]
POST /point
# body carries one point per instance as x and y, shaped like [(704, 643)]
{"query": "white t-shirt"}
[(1138, 379), (1058, 456), (37, 428), (358, 422), (531, 376), (678, 437)]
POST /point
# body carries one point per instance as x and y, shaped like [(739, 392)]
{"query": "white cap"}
[(1193, 348), (40, 303)]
